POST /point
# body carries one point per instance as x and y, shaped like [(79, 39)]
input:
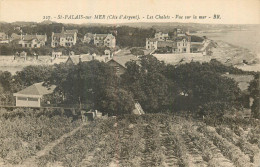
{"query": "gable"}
[(113, 63)]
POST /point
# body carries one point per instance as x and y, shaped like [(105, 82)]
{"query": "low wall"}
[(182, 58)]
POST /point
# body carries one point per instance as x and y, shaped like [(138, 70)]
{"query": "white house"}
[(32, 95), (66, 38)]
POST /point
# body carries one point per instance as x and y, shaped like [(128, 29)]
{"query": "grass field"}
[(135, 141)]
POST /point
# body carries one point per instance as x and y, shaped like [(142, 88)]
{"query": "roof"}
[(165, 44), (122, 60), (196, 45), (110, 36), (66, 33), (162, 33), (104, 35), (90, 35), (151, 39), (72, 31), (15, 36), (36, 89), (101, 35), (31, 37), (180, 38)]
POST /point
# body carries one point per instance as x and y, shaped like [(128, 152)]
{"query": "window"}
[(22, 98), (116, 69), (32, 99), (184, 49)]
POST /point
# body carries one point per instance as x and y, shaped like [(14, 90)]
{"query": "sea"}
[(249, 39)]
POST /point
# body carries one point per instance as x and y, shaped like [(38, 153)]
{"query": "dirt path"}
[(31, 161)]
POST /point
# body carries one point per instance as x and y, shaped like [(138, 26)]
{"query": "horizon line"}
[(133, 22)]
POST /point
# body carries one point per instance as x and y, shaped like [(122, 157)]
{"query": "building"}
[(32, 41), (66, 38), (119, 63), (15, 36), (75, 59), (56, 54), (183, 44), (33, 95), (3, 38), (151, 43), (177, 44), (161, 36), (107, 40), (88, 38)]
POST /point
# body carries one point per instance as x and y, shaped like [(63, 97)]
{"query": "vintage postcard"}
[(129, 83)]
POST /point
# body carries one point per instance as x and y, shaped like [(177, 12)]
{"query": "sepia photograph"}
[(130, 83)]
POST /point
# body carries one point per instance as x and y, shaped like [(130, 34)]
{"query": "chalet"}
[(151, 43), (183, 44), (32, 41), (33, 95), (107, 40), (161, 36), (119, 63), (66, 38)]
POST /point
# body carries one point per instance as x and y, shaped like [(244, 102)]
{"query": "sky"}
[(229, 11)]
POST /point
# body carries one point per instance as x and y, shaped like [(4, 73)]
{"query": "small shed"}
[(32, 95), (90, 115)]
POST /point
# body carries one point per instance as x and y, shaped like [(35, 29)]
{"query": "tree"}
[(84, 83), (203, 85), (31, 75), (5, 80), (116, 101), (148, 85), (254, 90)]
